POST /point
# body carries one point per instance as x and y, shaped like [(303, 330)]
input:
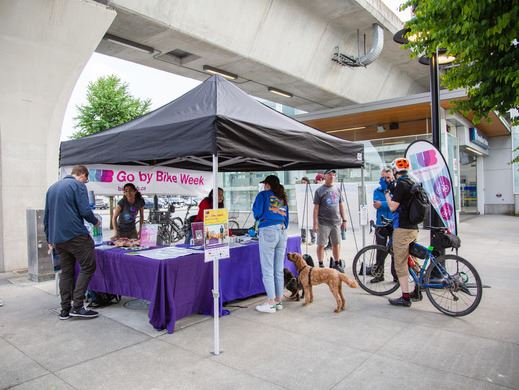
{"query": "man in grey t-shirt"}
[(329, 218)]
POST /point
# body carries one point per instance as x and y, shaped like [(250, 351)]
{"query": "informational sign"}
[(197, 230), (216, 234), (477, 138), (430, 169), (149, 234), (110, 179)]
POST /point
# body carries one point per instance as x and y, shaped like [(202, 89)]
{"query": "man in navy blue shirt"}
[(381, 234), (66, 208)]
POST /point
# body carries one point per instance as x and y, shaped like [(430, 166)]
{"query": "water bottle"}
[(343, 233), (96, 232), (91, 199)]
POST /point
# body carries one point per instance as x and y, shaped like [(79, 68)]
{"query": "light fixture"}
[(348, 129), (220, 72), (280, 92), (127, 43), (380, 129), (474, 151), (443, 58)]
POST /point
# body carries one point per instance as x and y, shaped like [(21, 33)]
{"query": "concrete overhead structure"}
[(285, 44), (44, 46)]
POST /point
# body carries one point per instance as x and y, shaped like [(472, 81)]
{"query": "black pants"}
[(80, 249), (381, 237)]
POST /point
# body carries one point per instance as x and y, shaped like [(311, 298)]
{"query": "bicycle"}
[(449, 280)]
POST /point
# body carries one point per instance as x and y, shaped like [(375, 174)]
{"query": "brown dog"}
[(310, 276)]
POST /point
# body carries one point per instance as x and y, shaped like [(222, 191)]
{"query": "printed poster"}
[(149, 234), (216, 234), (197, 230)]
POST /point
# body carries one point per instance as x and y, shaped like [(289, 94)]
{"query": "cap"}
[(329, 171), (319, 177), (271, 179)]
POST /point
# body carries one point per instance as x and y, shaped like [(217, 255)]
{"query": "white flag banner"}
[(430, 168), (107, 179)]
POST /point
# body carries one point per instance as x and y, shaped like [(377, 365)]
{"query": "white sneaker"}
[(279, 306), (266, 308)]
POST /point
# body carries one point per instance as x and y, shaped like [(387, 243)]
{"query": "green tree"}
[(108, 104), (482, 35)]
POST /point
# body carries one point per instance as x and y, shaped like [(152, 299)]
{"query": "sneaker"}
[(266, 308), (279, 306), (338, 266), (83, 313), (400, 302), (416, 295), (377, 279), (64, 314), (1, 303), (321, 265)]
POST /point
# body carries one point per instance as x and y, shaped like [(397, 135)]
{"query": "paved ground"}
[(369, 346)]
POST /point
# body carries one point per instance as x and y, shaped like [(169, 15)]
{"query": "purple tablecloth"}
[(179, 287)]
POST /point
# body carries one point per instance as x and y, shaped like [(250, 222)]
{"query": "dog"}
[(310, 276), (292, 283)]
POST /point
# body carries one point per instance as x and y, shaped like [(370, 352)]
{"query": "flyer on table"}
[(216, 234)]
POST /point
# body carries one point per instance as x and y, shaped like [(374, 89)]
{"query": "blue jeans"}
[(272, 247)]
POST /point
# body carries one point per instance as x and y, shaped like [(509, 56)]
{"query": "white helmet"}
[(401, 164)]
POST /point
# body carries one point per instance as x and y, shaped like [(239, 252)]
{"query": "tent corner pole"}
[(216, 272), (364, 204)]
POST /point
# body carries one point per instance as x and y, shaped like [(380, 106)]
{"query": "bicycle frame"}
[(419, 279)]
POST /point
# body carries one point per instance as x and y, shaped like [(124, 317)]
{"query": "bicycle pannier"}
[(418, 250), (448, 240)]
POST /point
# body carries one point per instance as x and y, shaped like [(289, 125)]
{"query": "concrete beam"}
[(287, 44), (44, 46)]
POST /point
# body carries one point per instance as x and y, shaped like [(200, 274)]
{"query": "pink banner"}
[(430, 169)]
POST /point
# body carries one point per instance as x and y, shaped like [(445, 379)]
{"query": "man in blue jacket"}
[(381, 235), (66, 206)]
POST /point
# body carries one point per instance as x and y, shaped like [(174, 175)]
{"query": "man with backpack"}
[(406, 208)]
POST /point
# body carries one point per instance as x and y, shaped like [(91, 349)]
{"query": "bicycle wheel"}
[(462, 289), (233, 225), (368, 256), (177, 229)]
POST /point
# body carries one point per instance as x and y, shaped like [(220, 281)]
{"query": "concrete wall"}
[(44, 46), (499, 196)]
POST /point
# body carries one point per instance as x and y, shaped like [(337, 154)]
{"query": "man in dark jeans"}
[(66, 206), (382, 234)]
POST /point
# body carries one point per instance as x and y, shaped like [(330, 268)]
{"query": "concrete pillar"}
[(44, 46)]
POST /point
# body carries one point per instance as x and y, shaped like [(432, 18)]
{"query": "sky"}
[(143, 82)]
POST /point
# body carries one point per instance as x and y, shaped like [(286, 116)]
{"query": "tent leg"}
[(216, 272), (364, 201)]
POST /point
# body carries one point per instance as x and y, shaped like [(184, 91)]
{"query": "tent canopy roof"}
[(215, 118)]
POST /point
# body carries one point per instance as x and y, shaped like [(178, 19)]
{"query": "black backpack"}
[(100, 299), (419, 204)]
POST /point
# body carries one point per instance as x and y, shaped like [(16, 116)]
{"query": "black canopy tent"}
[(215, 118), (215, 126)]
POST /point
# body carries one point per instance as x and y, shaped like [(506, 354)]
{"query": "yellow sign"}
[(216, 234)]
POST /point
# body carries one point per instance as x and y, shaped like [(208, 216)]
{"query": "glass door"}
[(468, 183)]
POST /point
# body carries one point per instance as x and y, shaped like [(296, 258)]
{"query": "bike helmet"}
[(400, 164)]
